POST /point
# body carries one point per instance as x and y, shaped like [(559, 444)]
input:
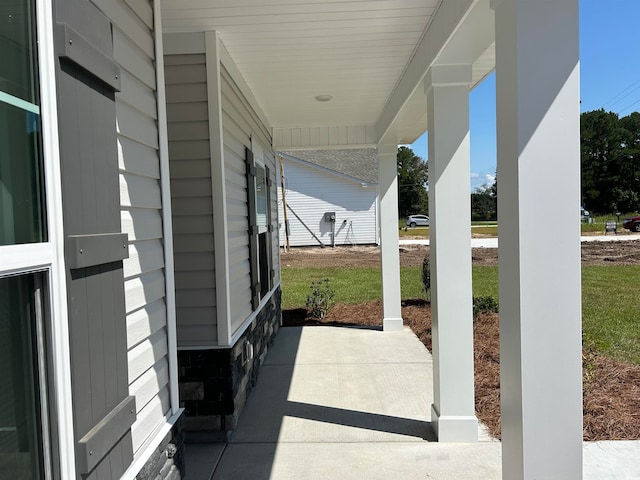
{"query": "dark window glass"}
[(20, 439), (18, 72), (263, 255), (22, 218), (21, 203), (261, 197)]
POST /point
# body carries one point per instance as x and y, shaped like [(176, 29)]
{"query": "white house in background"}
[(342, 183)]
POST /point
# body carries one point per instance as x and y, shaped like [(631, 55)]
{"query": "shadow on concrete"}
[(363, 420), (302, 400)]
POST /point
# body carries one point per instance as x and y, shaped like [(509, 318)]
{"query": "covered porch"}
[(353, 403), (377, 74)]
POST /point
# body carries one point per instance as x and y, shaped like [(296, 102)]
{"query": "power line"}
[(615, 97), (629, 106)]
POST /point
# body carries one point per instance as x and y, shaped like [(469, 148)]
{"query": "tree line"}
[(610, 170), (413, 197), (610, 161)]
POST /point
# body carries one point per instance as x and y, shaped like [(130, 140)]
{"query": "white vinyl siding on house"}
[(311, 192), (191, 196), (240, 124), (141, 214)]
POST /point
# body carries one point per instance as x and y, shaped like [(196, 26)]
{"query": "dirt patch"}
[(625, 252), (611, 393)]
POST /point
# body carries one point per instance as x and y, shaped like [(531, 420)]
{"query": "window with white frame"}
[(23, 227), (263, 215), (259, 204)]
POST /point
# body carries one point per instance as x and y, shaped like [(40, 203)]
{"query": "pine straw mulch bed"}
[(611, 399)]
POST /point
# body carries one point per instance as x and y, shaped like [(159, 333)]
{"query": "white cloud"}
[(480, 179)]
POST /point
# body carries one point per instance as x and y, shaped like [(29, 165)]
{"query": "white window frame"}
[(258, 159), (48, 257)]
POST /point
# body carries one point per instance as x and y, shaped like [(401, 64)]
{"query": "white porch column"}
[(537, 86), (453, 412), (388, 184)]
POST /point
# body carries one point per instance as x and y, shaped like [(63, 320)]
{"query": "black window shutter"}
[(253, 228), (270, 229)]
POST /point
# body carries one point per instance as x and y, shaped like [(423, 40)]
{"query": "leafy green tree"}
[(610, 157), (412, 183), (484, 202), (603, 166), (630, 174)]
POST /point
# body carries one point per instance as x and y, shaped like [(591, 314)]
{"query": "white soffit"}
[(290, 51), (366, 54)]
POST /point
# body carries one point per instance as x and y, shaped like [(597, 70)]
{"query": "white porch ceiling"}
[(290, 51)]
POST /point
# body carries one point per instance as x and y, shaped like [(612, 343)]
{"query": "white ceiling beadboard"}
[(290, 51)]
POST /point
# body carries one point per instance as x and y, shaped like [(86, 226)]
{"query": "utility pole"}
[(284, 206)]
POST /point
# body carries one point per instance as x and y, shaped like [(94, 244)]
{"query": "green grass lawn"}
[(478, 228), (610, 300), (424, 231), (610, 310), (414, 232)]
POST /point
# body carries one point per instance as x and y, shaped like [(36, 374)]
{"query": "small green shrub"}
[(426, 276), (320, 300), (484, 304)]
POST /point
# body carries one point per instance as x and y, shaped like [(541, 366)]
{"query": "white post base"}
[(392, 325), (454, 429)]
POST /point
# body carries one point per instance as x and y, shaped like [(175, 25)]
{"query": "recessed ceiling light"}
[(324, 98)]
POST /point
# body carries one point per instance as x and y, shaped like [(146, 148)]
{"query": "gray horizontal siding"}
[(241, 124), (191, 200), (141, 213)]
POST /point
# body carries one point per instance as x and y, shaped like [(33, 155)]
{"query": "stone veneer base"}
[(215, 384), (167, 461)]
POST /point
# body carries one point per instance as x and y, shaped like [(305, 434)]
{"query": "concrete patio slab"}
[(345, 345), (202, 458), (357, 461), (611, 460), (353, 403), (335, 402), (333, 384)]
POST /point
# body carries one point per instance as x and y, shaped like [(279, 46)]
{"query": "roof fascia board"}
[(442, 27), (326, 170)]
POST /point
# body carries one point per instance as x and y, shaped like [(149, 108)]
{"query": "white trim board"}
[(167, 226), (61, 396)]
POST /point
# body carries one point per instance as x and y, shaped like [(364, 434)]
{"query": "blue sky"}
[(609, 79)]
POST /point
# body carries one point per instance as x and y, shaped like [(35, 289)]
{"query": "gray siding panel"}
[(137, 158), (189, 262), (191, 198), (189, 168), (141, 212), (241, 125)]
